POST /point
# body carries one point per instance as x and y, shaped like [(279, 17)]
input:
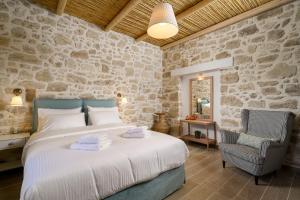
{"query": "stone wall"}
[(64, 57), (266, 72)]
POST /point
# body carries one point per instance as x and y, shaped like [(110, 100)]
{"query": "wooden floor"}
[(206, 179)]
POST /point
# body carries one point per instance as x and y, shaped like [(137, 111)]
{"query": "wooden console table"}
[(206, 124)]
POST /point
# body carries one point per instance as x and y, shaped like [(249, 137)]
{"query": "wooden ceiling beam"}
[(61, 6), (129, 7), (182, 15), (253, 12)]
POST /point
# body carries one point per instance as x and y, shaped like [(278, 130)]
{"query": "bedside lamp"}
[(16, 101)]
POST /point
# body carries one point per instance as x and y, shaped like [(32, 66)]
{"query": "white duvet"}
[(52, 171)]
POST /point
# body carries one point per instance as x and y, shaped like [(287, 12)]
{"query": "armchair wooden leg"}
[(223, 162), (256, 180)]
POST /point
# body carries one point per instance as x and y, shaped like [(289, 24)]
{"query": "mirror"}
[(201, 98)]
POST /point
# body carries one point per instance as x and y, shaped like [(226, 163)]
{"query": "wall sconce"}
[(17, 99), (200, 77), (122, 100)]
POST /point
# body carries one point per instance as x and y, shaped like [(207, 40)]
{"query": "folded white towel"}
[(136, 130), (144, 127), (92, 139), (144, 134), (90, 147)]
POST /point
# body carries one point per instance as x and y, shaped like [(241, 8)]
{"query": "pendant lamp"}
[(162, 23)]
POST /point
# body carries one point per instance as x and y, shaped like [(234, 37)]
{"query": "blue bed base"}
[(155, 189)]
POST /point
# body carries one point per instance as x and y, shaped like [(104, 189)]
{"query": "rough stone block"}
[(267, 59), (76, 79), (4, 41), (82, 54), (293, 89), (242, 59), (282, 70), (290, 104), (24, 58), (231, 101), (44, 75), (233, 44), (275, 34), (250, 30), (229, 78), (292, 42), (18, 32), (270, 91), (60, 39), (223, 55), (57, 87)]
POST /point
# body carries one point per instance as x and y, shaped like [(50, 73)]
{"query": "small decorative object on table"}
[(161, 125), (197, 134), (191, 117)]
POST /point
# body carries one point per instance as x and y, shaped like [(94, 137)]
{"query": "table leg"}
[(180, 129), (189, 129), (207, 140), (215, 134)]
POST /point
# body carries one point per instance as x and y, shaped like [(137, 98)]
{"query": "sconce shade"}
[(200, 78), (162, 23), (16, 101), (124, 100)]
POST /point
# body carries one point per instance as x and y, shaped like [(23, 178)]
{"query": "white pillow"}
[(43, 112), (49, 111), (104, 117), (61, 121), (93, 109)]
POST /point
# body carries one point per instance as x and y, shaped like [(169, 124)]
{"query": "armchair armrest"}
[(270, 147), (229, 137)]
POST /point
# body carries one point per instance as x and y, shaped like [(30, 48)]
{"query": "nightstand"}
[(11, 147)]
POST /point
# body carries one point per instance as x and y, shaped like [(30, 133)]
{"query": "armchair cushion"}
[(243, 152), (252, 141), (229, 137)]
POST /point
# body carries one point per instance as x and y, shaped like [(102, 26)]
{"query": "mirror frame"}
[(211, 97)]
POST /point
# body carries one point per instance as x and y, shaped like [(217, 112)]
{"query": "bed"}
[(148, 168)]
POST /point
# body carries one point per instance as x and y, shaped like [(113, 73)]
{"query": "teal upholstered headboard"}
[(96, 103), (67, 104)]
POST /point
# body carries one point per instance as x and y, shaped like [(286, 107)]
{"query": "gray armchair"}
[(270, 156)]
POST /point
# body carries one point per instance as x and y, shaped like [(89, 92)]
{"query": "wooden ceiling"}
[(131, 17)]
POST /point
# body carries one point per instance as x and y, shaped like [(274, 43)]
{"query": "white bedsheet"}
[(53, 171)]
